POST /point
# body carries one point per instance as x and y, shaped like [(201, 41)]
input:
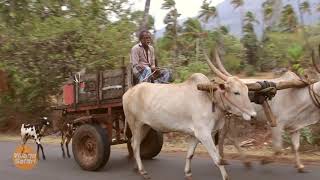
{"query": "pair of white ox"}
[(184, 108), (293, 108)]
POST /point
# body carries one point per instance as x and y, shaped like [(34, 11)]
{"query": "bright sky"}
[(187, 8)]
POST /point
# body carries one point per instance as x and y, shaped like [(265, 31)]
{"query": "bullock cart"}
[(93, 102)]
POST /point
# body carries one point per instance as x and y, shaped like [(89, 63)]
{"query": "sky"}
[(187, 8)]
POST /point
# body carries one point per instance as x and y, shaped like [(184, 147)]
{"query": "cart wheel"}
[(91, 147), (151, 145)]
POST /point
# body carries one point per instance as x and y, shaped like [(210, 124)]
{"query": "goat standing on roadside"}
[(36, 132), (67, 132)]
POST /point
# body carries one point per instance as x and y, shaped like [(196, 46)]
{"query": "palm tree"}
[(304, 8), (267, 13), (267, 9), (276, 14), (249, 39), (249, 20), (239, 4), (193, 32), (208, 11), (288, 19), (171, 20)]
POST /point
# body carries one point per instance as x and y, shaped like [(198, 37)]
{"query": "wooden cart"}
[(94, 103)]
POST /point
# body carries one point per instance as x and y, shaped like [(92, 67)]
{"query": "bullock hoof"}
[(129, 157), (301, 169), (265, 161), (247, 164), (224, 162), (144, 174), (188, 177)]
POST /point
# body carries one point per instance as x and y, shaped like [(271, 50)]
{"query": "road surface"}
[(164, 167)]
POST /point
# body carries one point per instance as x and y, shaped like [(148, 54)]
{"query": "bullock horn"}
[(219, 64), (313, 56), (213, 68), (279, 85)]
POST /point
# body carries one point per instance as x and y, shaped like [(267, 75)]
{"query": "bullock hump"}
[(197, 78)]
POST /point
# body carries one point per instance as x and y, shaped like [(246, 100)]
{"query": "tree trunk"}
[(144, 24), (12, 12), (305, 37), (242, 19), (275, 19)]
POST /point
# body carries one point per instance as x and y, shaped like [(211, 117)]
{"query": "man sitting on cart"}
[(143, 61)]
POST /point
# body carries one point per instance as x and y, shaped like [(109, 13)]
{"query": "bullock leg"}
[(62, 143), (138, 133), (206, 139), (193, 142), (276, 144), (67, 146), (295, 138), (222, 136), (233, 134)]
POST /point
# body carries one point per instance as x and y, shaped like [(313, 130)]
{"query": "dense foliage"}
[(42, 42)]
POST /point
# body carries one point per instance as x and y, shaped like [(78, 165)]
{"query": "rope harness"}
[(267, 92), (227, 113), (314, 96)]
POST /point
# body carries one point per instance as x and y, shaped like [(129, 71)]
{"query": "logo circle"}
[(24, 158)]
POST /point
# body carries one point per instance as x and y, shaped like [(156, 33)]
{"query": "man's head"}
[(145, 37)]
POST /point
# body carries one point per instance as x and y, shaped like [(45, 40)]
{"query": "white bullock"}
[(183, 108), (293, 108)]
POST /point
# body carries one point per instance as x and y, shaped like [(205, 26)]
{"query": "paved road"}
[(164, 167)]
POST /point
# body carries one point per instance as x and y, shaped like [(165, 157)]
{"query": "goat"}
[(67, 131), (35, 131)]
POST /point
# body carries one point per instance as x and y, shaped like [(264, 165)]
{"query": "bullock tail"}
[(216, 138), (125, 129)]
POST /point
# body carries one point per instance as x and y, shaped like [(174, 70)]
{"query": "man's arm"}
[(152, 58), (134, 57)]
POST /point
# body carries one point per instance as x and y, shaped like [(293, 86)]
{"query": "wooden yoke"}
[(269, 114), (267, 92)]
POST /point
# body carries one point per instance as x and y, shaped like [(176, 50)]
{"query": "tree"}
[(138, 16), (304, 8), (239, 4), (145, 21), (267, 8), (249, 40), (207, 11), (53, 42), (191, 34), (288, 19), (171, 21), (276, 13)]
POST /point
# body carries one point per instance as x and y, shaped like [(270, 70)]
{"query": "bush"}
[(249, 70), (184, 72)]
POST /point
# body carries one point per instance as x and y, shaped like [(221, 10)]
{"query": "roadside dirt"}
[(176, 144)]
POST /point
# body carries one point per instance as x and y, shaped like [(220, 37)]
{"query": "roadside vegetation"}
[(43, 42)]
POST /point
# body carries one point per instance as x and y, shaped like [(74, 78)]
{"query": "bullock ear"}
[(222, 86)]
